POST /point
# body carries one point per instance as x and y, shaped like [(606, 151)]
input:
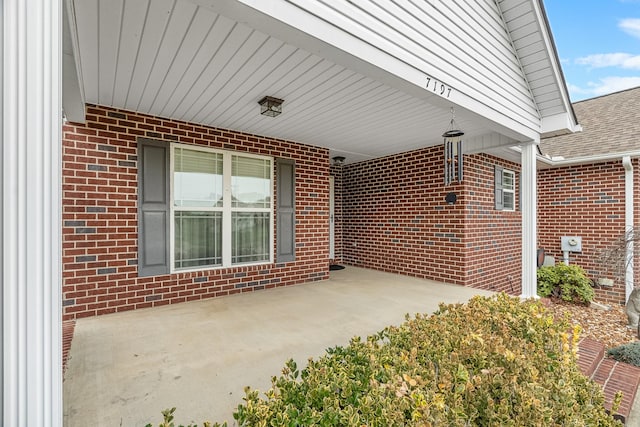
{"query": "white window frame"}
[(511, 190), (226, 209)]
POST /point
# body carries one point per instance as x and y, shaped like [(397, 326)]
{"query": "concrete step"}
[(613, 376)]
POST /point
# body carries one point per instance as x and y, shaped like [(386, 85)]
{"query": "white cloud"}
[(603, 60), (576, 90), (604, 86), (630, 26)]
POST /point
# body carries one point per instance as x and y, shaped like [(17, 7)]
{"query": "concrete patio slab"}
[(125, 368)]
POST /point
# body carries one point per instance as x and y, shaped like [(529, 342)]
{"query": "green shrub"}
[(167, 416), (495, 361), (627, 353), (568, 282)]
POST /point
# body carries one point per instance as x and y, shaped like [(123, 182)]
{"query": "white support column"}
[(30, 123), (529, 220)]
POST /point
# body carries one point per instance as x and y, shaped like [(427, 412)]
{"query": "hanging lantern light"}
[(452, 153)]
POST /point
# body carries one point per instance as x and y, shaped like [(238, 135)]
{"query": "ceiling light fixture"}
[(338, 160), (270, 106)]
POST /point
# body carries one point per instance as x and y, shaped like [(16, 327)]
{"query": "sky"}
[(598, 42)]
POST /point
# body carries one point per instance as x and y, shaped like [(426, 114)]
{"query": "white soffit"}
[(178, 60)]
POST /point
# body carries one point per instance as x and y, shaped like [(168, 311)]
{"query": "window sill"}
[(219, 267)]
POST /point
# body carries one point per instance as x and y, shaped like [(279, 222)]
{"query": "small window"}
[(509, 190), (505, 189)]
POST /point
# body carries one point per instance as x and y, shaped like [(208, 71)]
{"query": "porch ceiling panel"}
[(174, 59)]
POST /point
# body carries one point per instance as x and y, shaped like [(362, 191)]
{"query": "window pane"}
[(197, 179), (507, 180), (198, 239), (509, 200), (250, 182), (250, 237)]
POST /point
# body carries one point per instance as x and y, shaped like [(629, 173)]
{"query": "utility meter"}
[(571, 243)]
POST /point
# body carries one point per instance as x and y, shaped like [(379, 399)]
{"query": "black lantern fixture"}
[(452, 153), (270, 106), (338, 160)]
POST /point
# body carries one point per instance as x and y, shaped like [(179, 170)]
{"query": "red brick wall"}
[(493, 239), (586, 201), (100, 216), (396, 219)]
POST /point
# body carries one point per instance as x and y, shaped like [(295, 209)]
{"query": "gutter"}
[(628, 219), (587, 159)]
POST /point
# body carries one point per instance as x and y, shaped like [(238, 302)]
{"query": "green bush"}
[(167, 416), (568, 282), (495, 361), (627, 353), (492, 361)]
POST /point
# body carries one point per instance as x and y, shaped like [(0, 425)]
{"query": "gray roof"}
[(610, 125)]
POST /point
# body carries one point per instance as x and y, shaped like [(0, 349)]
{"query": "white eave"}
[(352, 81), (532, 38)]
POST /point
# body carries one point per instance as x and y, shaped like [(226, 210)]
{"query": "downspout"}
[(628, 219)]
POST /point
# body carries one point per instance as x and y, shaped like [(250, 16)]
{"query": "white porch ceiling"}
[(174, 59)]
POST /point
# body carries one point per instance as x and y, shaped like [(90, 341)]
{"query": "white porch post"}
[(529, 220), (30, 123)]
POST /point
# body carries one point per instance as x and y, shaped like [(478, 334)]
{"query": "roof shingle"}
[(610, 123)]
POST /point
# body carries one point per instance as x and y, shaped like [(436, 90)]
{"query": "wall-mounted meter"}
[(571, 243)]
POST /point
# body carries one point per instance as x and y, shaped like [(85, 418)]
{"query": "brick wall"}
[(100, 216), (586, 201), (396, 219), (493, 239)]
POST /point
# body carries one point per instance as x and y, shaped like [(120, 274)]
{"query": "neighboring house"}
[(175, 187), (588, 186)]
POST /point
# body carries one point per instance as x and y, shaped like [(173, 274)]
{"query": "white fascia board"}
[(486, 142), (73, 100), (292, 24), (558, 124)]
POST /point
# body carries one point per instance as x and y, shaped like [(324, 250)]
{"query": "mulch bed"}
[(609, 327)]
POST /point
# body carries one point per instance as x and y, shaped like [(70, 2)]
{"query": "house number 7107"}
[(438, 87)]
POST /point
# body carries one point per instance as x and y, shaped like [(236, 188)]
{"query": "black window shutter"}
[(153, 207), (499, 199), (286, 211)]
